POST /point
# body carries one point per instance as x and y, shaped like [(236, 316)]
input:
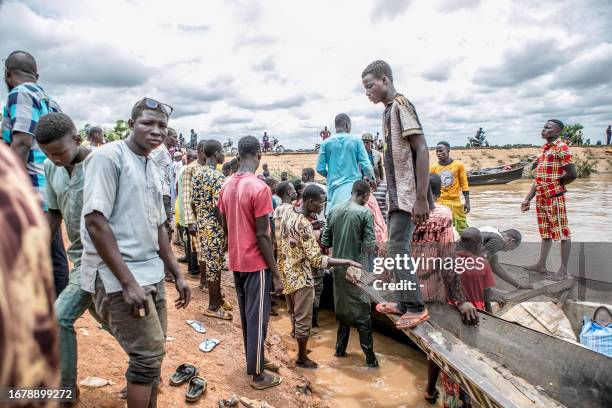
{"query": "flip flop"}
[(271, 365), (227, 306), (197, 388), (196, 325), (218, 314), (208, 345), (183, 373), (410, 322), (276, 380), (386, 308), (249, 403), (232, 401)]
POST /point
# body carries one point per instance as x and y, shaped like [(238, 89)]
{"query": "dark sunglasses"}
[(153, 104)]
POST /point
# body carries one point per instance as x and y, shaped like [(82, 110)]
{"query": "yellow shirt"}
[(454, 180)]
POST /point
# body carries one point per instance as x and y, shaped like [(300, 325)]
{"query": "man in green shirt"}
[(58, 138), (350, 232)]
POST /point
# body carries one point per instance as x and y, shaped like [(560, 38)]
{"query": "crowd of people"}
[(123, 204)]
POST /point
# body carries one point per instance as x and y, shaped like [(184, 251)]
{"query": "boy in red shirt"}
[(245, 203), (555, 171), (476, 279)]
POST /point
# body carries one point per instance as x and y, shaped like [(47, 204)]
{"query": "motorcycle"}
[(227, 147), (473, 142), (277, 148)]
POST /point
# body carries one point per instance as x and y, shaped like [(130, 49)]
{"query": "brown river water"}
[(588, 200), (401, 378), (346, 382)]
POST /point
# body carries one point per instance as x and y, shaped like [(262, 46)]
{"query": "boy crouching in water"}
[(301, 253)]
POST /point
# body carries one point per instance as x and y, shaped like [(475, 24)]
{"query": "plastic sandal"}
[(196, 325), (208, 345)]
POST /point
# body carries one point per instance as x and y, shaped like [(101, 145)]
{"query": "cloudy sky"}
[(238, 67)]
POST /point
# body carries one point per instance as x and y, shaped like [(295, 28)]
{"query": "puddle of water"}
[(346, 382), (588, 200)]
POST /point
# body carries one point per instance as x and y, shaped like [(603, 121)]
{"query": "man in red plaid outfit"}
[(555, 170)]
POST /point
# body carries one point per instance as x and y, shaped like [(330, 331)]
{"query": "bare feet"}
[(307, 363), (557, 276), (411, 319), (388, 308), (537, 268)]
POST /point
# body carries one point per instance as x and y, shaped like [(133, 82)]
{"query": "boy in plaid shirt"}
[(555, 170)]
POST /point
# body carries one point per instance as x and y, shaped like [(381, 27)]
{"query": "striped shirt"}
[(381, 197), (25, 104)]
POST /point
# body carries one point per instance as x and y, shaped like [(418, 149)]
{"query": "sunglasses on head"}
[(153, 104)]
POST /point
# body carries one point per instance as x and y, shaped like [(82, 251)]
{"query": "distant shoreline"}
[(473, 158)]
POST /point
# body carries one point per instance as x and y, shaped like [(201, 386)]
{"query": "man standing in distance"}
[(374, 155), (245, 203), (162, 157), (407, 170), (126, 247), (26, 103), (454, 180), (555, 170), (339, 161)]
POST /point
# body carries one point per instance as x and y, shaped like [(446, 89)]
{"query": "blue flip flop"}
[(196, 325), (208, 345)]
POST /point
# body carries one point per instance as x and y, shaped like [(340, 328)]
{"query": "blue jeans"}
[(400, 238), (69, 306)]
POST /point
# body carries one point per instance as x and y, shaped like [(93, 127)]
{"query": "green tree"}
[(573, 133), (120, 131)]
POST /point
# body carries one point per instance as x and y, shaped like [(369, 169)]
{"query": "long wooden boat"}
[(503, 364), (496, 175)]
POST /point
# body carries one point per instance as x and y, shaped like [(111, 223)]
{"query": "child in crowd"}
[(245, 203), (350, 232), (300, 253), (476, 279)]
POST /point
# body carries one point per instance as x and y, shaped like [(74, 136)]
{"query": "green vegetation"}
[(585, 167), (120, 131), (573, 132)]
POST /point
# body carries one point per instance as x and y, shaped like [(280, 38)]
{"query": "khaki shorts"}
[(142, 338)]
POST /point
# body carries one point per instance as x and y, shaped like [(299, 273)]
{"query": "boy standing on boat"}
[(454, 182), (555, 170), (406, 161)]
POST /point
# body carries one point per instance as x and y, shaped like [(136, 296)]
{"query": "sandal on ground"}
[(218, 314), (388, 308), (197, 388), (249, 403), (196, 325), (227, 306), (432, 398), (232, 401), (413, 321), (276, 380), (208, 345), (183, 374), (271, 365), (123, 393)]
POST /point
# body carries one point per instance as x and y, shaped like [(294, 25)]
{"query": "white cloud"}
[(242, 67)]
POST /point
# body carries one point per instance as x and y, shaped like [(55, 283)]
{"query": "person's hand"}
[(469, 314), (466, 208), (135, 295), (353, 275), (278, 285), (525, 205), (355, 264), (318, 224), (420, 211), (192, 229), (184, 292)]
